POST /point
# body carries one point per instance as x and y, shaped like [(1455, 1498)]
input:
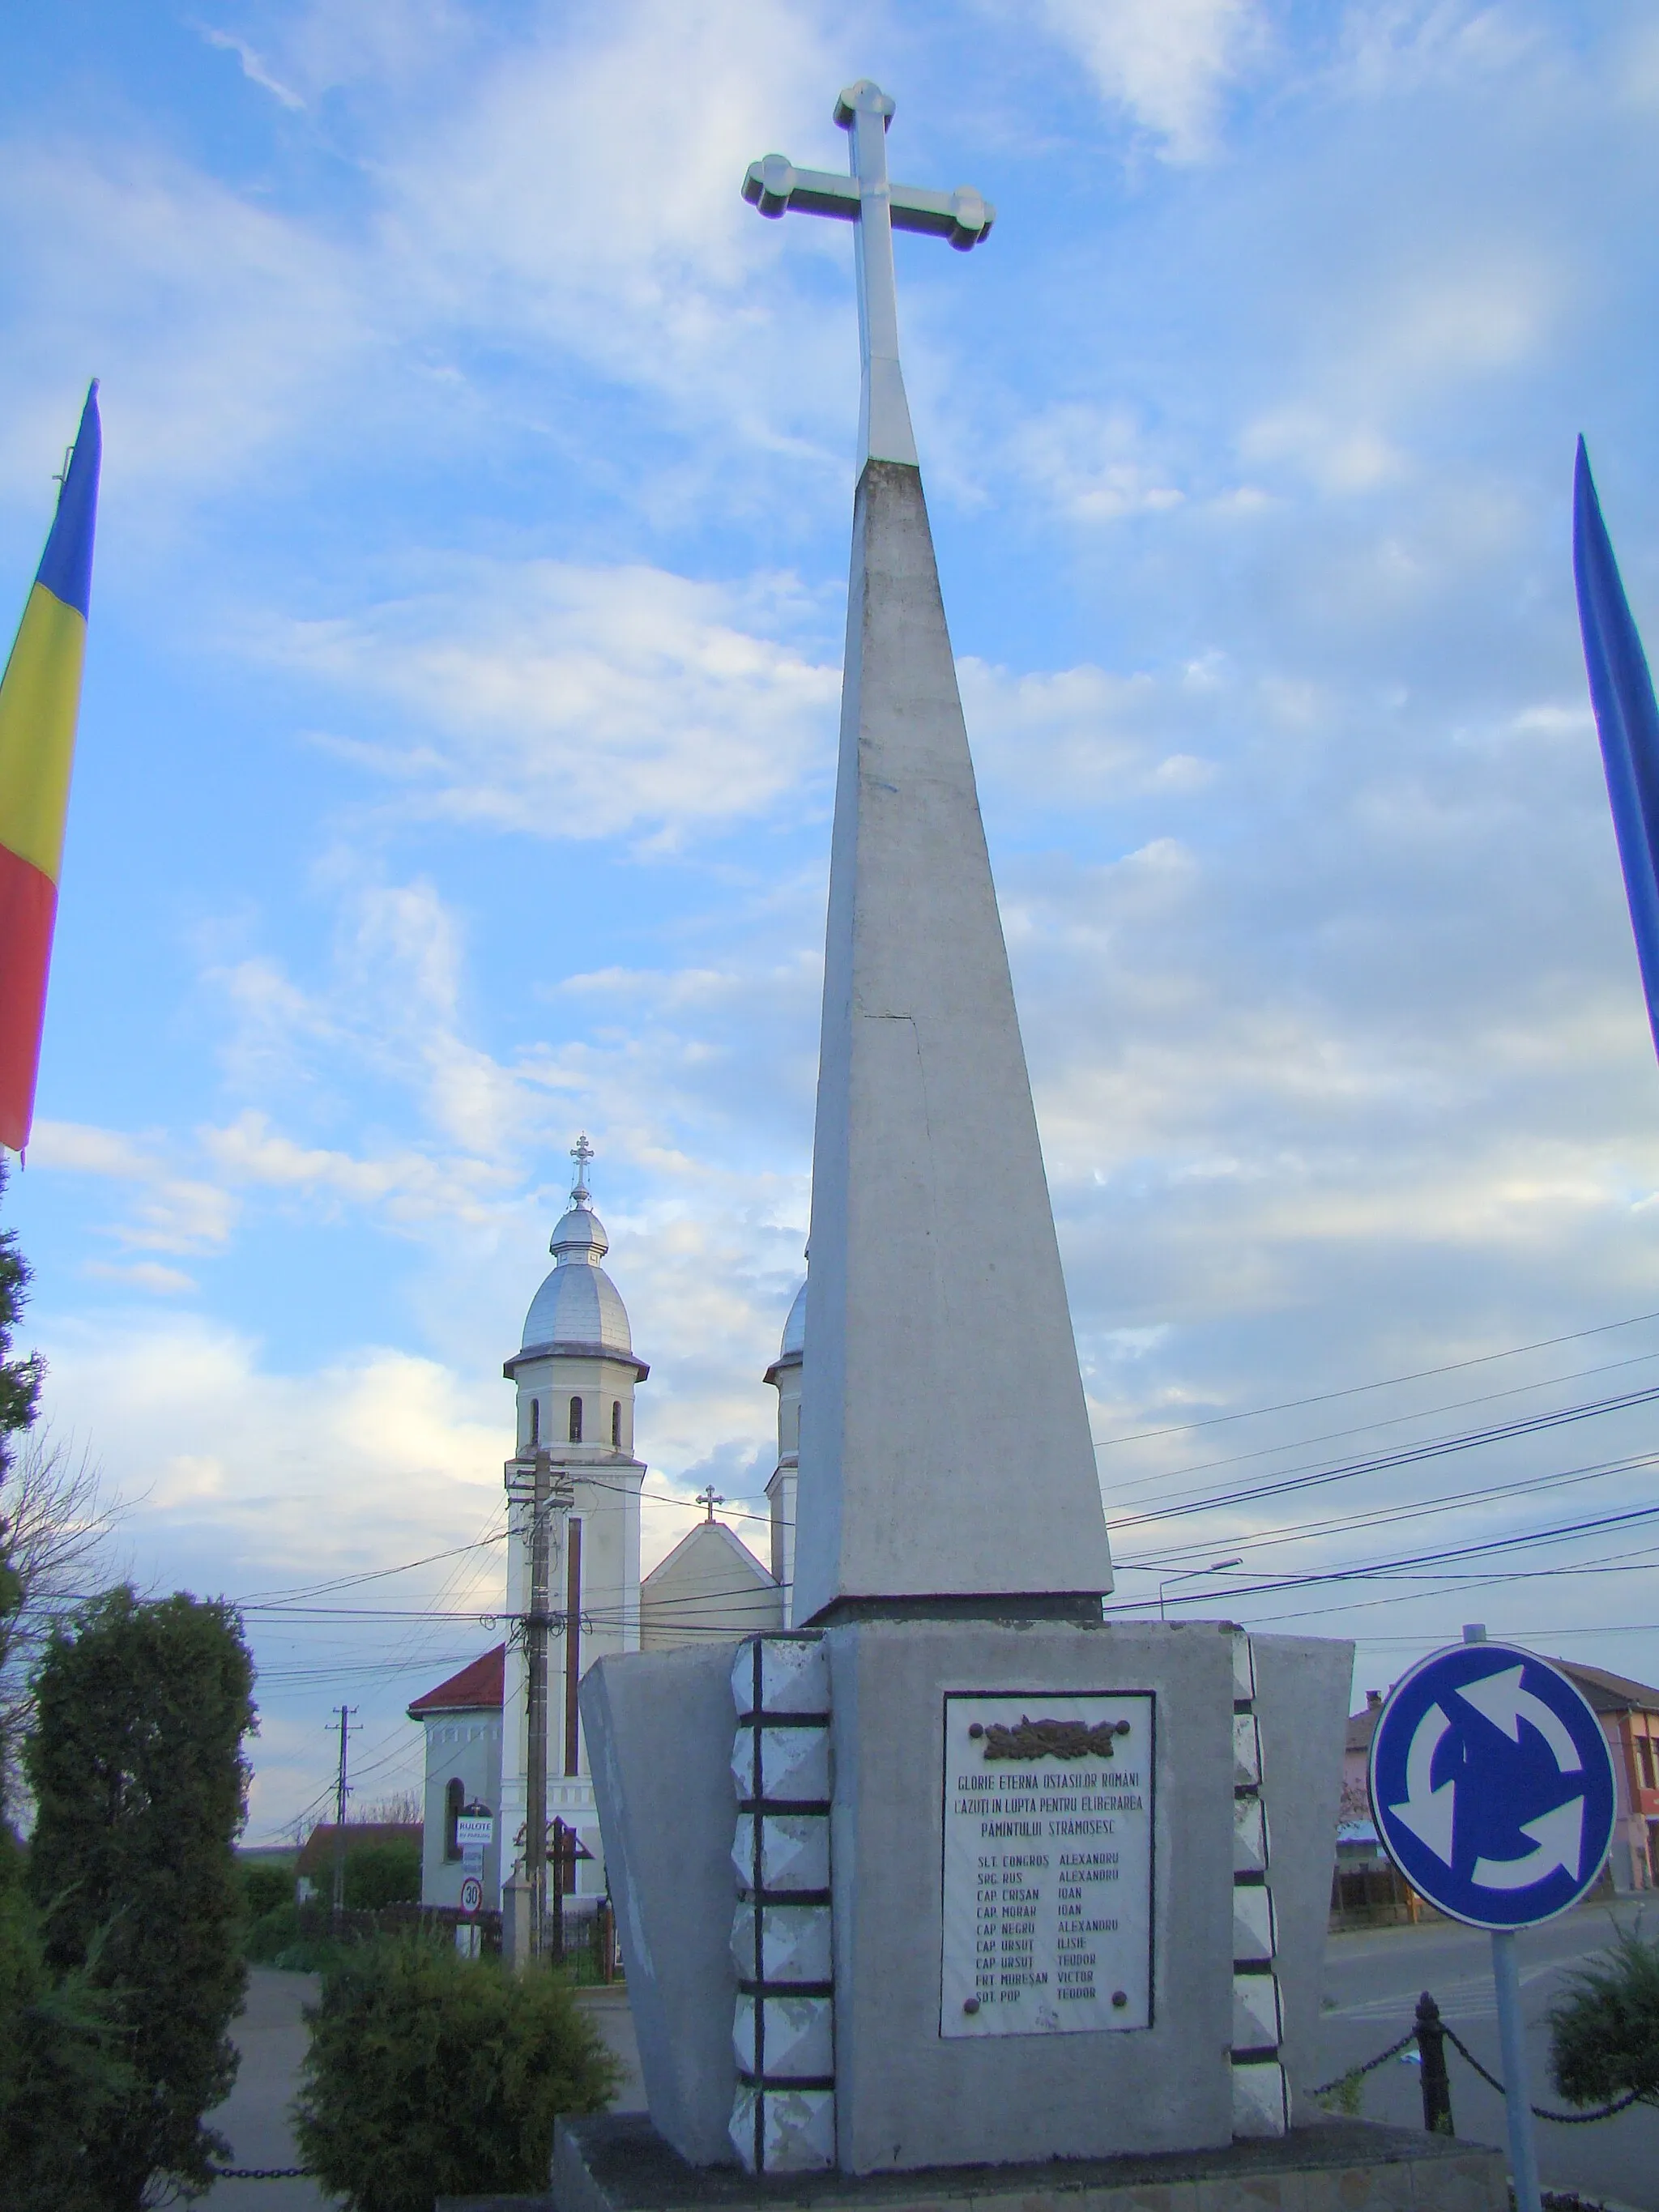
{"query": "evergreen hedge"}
[(1604, 2033), (431, 2075), (140, 1786)]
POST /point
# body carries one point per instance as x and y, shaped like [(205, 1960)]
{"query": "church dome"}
[(578, 1310), (794, 1329), (792, 1351)]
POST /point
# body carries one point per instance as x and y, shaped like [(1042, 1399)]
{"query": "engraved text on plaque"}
[(1048, 1862)]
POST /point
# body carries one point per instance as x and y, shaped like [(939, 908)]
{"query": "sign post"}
[(1492, 1790)]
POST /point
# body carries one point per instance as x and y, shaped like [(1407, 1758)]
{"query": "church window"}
[(535, 1421), (575, 1421), (616, 1421), (454, 1803)]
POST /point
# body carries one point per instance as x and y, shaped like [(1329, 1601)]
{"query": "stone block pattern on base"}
[(783, 2119), (1261, 2102)]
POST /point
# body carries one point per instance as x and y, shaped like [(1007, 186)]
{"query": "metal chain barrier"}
[(1429, 2029), (1429, 2033), (1539, 2112), (260, 2172), (1353, 2073)]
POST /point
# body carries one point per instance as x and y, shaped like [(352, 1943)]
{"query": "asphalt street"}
[(272, 2037), (1372, 1980)]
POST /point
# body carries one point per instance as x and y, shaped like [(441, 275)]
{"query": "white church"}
[(575, 1373)]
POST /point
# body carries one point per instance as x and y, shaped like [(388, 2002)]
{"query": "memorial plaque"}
[(1048, 1862)]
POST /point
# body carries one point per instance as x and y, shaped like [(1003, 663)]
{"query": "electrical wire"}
[(1388, 1421), (1187, 1502), (1387, 1382), (1306, 1531), (1375, 1569)]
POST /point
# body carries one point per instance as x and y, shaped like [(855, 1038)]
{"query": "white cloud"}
[(240, 1481), (1168, 62), (143, 1275), (588, 185), (565, 701), (256, 70), (214, 322), (1089, 461), (1101, 736), (1388, 47), (171, 1213)]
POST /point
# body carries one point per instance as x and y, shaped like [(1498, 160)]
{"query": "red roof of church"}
[(478, 1687)]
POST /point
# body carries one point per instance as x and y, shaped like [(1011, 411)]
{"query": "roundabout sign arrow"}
[(1493, 1793), (1492, 1786)]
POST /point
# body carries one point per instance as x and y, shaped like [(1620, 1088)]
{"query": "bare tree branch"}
[(55, 1520)]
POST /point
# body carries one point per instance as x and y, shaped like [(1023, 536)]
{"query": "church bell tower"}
[(575, 1373)]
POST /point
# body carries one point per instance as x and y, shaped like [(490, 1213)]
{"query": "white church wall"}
[(465, 1747), (710, 1587)]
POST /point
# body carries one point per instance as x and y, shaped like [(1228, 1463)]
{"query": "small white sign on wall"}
[(472, 1832)]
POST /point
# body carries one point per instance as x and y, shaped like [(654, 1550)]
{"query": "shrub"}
[(264, 1887), (272, 1933), (295, 1937), (1604, 2033), (136, 1762), (1346, 2096), (428, 2074), (61, 2067), (381, 1874)]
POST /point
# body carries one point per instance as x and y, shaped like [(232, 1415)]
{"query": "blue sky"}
[(457, 743)]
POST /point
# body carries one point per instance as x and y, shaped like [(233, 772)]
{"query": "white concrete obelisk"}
[(945, 1461)]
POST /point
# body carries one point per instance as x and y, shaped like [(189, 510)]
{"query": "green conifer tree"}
[(137, 1769), (61, 2067), (20, 1400)]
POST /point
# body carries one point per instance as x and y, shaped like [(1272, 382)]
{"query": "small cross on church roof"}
[(581, 1151)]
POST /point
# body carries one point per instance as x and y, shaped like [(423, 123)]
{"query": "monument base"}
[(618, 2162)]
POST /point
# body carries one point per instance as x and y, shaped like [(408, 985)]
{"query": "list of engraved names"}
[(1048, 1862)]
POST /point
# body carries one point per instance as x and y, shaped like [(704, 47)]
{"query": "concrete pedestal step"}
[(617, 2162)]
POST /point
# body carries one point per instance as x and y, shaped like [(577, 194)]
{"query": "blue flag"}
[(1621, 691)]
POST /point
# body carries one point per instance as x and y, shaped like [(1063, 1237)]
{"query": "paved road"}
[(272, 2037), (1372, 1980)]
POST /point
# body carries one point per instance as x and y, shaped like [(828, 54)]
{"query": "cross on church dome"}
[(581, 1151), (577, 1308)]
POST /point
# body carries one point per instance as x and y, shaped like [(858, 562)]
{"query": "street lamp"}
[(1219, 1568)]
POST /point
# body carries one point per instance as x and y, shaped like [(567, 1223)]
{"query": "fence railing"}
[(1431, 2034)]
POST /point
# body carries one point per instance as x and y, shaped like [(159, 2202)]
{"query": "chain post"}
[(1437, 2082)]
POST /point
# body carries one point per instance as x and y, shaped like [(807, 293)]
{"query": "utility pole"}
[(341, 1792), (557, 1945), (531, 1478), (535, 1633)]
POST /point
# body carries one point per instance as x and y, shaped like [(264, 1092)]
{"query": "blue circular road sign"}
[(1492, 1786)]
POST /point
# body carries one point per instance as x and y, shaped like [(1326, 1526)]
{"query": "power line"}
[(1388, 1383), (1305, 1531), (1406, 1455), (1532, 1635), (1465, 1586), (374, 1575), (1383, 1567), (1388, 1421)]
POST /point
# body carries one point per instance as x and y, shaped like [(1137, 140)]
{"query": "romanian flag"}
[(39, 702)]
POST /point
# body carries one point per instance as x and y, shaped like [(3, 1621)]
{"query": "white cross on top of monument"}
[(877, 207)]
